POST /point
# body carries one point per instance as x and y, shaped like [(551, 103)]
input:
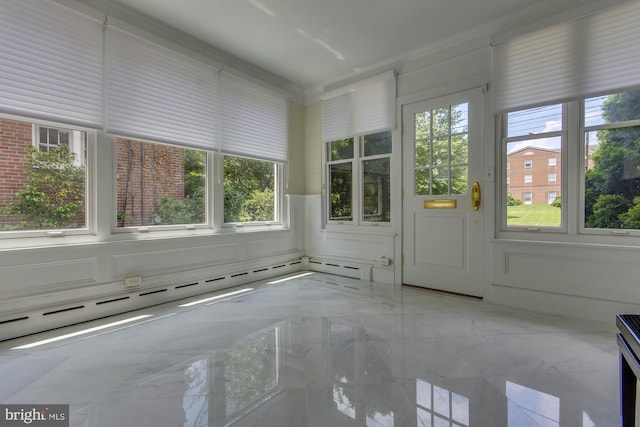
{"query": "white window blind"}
[(365, 107), (159, 94), (50, 63), (593, 55), (254, 120)]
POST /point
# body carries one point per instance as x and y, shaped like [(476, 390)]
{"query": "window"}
[(441, 151), (376, 178), (340, 176), (437, 406), (49, 138), (529, 135), (607, 165), (250, 194), (362, 163), (159, 185), (43, 177), (612, 161)]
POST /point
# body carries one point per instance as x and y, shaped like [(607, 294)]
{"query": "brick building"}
[(534, 175), (146, 172)]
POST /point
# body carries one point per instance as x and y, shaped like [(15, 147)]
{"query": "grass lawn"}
[(533, 216)]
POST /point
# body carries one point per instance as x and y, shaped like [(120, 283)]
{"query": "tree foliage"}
[(441, 160), (613, 184), (191, 209), (248, 190), (54, 195)]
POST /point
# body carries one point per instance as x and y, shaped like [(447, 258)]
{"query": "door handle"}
[(475, 196)]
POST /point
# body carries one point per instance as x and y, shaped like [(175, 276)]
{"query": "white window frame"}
[(279, 217), (552, 161), (528, 179), (551, 196), (528, 163), (552, 177), (149, 228), (582, 229), (355, 179), (564, 135), (74, 144), (90, 188), (528, 194), (357, 191)]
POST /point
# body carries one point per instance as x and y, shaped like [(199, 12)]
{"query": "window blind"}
[(254, 120), (593, 55), (158, 94), (365, 107), (50, 63)]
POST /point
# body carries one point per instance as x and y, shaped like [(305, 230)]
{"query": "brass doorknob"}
[(475, 196)]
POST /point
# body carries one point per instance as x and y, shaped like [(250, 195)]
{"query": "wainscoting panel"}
[(157, 262), (585, 281), (38, 277)]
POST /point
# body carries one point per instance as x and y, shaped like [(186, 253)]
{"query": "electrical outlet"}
[(385, 261), (132, 282)]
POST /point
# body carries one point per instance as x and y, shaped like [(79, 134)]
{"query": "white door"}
[(442, 159)]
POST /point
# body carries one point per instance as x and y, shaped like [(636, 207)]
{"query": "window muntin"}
[(250, 191), (612, 161), (159, 185), (442, 150), (43, 178), (533, 137)]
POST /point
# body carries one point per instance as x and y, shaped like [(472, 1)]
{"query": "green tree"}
[(616, 165), (607, 210), (631, 218), (248, 190), (435, 152), (190, 209), (54, 195)]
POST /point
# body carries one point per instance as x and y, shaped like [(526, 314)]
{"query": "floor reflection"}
[(309, 353)]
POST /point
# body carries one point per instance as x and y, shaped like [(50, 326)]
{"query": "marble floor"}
[(321, 350)]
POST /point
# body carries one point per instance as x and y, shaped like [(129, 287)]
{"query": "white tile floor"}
[(322, 350)]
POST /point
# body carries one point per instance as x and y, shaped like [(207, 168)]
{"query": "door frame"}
[(488, 182)]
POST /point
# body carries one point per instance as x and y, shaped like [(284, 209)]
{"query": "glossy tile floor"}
[(321, 350)]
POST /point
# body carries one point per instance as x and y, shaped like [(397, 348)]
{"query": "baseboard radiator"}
[(74, 312)]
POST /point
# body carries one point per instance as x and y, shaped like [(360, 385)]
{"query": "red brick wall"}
[(539, 171), (145, 173), (15, 137)]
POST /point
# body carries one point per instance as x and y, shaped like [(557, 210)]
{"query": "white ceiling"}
[(314, 42)]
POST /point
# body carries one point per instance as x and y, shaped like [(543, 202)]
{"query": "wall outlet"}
[(385, 261), (132, 282)]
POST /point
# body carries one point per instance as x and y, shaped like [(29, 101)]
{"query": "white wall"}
[(49, 282), (584, 277)]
